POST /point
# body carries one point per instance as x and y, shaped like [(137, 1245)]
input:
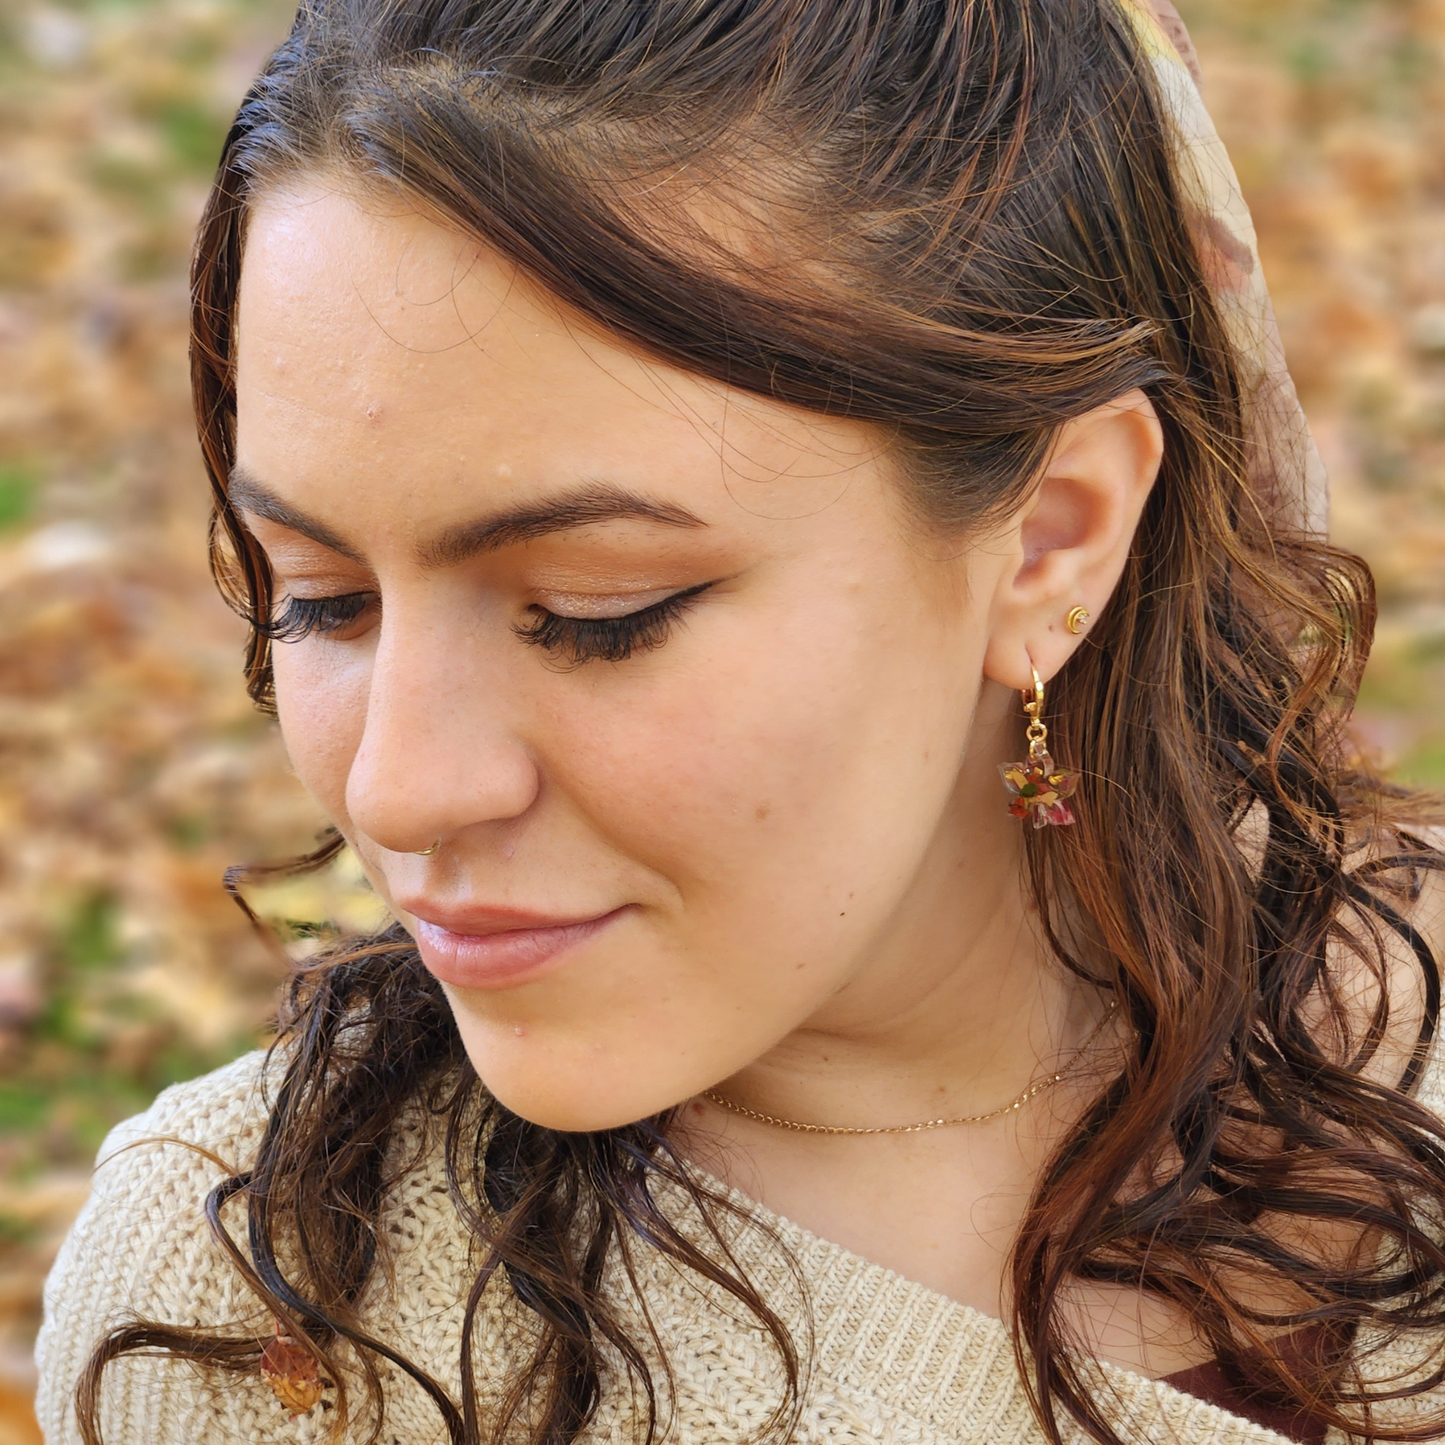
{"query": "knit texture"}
[(890, 1360)]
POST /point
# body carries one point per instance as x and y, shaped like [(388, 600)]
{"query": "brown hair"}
[(973, 230)]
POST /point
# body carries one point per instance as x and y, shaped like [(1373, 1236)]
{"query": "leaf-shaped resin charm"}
[(292, 1373)]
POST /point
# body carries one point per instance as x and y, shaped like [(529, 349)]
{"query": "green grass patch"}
[(1424, 766), (90, 937), (194, 135), (19, 487), (23, 1106), (16, 1231)]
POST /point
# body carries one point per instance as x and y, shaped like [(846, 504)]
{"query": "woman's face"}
[(683, 699)]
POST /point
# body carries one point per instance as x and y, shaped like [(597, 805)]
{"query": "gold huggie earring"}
[(427, 852), (1077, 620), (1039, 789)]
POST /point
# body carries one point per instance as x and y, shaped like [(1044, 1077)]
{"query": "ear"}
[(1067, 546)]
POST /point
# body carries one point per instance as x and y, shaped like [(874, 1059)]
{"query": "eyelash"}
[(301, 616), (575, 640)]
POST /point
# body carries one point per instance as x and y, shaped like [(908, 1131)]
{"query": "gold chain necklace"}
[(1032, 1092)]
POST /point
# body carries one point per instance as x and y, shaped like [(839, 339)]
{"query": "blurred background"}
[(133, 769)]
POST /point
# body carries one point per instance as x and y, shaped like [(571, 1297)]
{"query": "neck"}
[(958, 1005)]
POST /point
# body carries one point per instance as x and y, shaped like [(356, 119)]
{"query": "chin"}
[(545, 1091), (583, 1112)]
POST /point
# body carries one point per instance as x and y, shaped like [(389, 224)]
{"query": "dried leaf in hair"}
[(292, 1374)]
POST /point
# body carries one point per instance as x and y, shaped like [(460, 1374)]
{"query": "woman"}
[(655, 445)]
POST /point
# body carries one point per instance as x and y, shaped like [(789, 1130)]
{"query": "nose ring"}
[(427, 852)]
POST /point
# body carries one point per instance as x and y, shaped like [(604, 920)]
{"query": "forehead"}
[(370, 335)]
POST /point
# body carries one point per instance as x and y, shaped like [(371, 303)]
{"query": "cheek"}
[(321, 699), (780, 795), (799, 776)]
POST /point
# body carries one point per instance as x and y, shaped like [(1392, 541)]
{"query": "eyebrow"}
[(246, 493), (581, 507)]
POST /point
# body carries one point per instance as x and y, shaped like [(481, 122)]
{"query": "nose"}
[(442, 748)]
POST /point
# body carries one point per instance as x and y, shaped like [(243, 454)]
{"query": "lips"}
[(495, 948)]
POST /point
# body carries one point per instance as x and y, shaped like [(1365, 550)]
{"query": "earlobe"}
[(1071, 539)]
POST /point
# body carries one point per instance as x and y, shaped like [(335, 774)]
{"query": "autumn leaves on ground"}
[(133, 769)]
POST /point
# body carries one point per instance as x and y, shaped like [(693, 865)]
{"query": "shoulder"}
[(1421, 904), (167, 1159), (1379, 994), (142, 1248), (223, 1112)]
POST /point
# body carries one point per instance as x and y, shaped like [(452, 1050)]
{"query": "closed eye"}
[(299, 617), (577, 640)]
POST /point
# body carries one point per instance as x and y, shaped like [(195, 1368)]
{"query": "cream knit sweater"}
[(890, 1361)]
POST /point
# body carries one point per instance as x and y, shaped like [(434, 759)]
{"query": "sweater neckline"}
[(878, 1335)]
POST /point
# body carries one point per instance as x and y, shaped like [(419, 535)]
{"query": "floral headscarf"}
[(1285, 466)]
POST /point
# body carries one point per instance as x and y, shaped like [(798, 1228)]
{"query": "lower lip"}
[(501, 960)]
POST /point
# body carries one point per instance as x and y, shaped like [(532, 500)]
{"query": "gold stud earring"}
[(1038, 789), (1077, 620), (427, 852)]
